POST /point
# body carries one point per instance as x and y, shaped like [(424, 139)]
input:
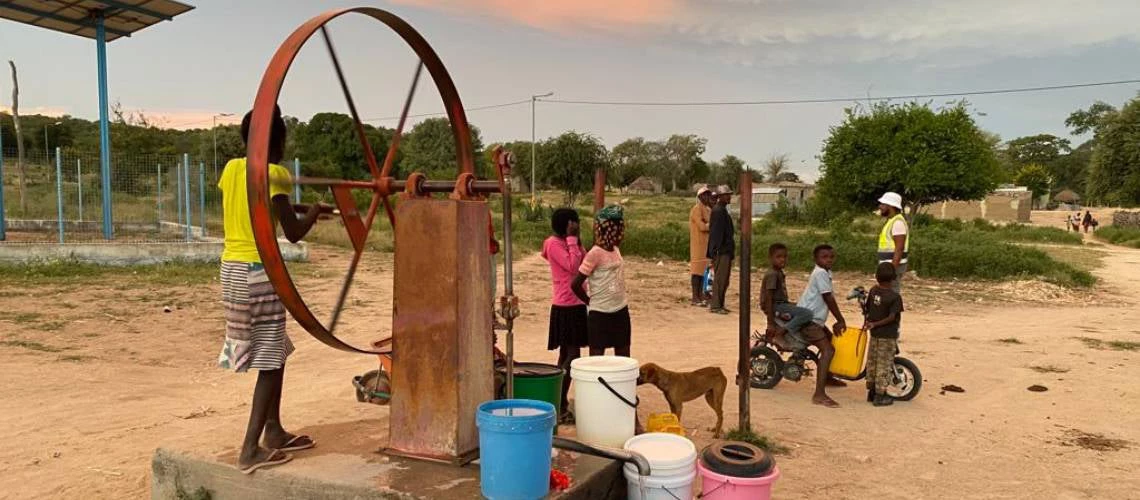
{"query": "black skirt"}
[(609, 329), (567, 327)]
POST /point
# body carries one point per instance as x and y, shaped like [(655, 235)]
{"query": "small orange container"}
[(850, 353), (665, 422)]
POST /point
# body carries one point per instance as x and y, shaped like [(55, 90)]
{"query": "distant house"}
[(1007, 204), (796, 193), (765, 198), (1068, 200), (644, 185)]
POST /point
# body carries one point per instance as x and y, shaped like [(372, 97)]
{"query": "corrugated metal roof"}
[(77, 17)]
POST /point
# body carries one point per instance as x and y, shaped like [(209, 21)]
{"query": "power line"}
[(1017, 90), (475, 108)]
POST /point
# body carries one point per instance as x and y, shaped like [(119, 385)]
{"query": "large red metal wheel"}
[(382, 184)]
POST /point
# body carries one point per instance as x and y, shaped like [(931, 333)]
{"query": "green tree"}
[(681, 151), (699, 171), (328, 146), (1114, 172), (430, 148), (788, 177), (634, 158), (1083, 121), (727, 171), (569, 162), (927, 156), (1035, 177)]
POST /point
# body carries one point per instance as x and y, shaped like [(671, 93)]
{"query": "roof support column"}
[(104, 126)]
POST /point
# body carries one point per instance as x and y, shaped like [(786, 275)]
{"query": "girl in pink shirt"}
[(568, 328)]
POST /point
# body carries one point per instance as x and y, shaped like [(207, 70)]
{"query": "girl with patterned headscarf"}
[(603, 269)]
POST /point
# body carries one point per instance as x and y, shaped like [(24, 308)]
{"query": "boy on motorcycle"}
[(774, 302), (819, 298)]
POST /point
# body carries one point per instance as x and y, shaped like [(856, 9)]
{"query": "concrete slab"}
[(347, 464), (335, 473)]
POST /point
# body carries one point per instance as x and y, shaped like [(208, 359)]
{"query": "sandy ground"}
[(125, 378)]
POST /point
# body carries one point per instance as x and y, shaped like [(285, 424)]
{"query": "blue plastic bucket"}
[(514, 448)]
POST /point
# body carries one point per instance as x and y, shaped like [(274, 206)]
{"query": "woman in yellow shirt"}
[(255, 317)]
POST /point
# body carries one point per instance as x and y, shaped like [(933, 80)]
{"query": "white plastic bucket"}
[(605, 399), (672, 467)]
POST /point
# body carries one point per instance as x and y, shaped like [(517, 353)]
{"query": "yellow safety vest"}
[(887, 241)]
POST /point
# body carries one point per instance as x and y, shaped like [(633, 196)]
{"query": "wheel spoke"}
[(390, 158), (373, 167), (357, 230)]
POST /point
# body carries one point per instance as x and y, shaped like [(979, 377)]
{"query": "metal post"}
[(178, 192), (79, 182), (104, 126), (3, 220), (296, 175), (186, 193), (158, 201), (743, 373), (59, 193), (202, 198), (504, 160)]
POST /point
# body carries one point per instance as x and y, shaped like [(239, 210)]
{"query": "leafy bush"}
[(1118, 235)]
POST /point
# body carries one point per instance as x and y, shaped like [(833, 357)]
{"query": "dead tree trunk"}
[(20, 169)]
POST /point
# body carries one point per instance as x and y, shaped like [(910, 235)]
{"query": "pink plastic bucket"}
[(720, 487)]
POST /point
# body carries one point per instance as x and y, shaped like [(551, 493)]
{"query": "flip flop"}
[(292, 445), (276, 457)]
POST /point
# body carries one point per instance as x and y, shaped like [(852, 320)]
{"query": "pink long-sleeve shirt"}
[(564, 256)]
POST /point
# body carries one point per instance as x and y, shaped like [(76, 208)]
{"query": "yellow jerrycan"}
[(850, 353)]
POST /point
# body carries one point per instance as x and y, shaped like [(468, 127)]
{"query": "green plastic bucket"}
[(537, 381)]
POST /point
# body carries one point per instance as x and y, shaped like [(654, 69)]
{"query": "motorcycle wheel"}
[(767, 368), (908, 380)]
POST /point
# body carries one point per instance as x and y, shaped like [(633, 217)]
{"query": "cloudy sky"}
[(498, 51)]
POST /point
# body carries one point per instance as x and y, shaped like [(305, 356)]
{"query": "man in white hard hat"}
[(894, 239)]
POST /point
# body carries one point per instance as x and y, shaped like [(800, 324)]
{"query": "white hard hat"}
[(892, 200), (723, 189), (702, 190)]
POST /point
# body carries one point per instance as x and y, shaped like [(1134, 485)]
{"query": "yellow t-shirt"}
[(240, 246)]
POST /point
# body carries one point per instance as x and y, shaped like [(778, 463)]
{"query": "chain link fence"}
[(57, 196)]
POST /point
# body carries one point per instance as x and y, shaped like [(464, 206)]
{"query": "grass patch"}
[(21, 318), (751, 437), (1048, 369), (75, 273), (1110, 345), (1081, 258), (30, 345), (1010, 340), (1118, 235), (76, 358)]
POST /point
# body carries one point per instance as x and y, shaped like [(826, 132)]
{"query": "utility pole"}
[(533, 154)]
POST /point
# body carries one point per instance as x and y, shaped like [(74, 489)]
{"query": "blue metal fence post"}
[(79, 182), (3, 221), (158, 201), (296, 175), (186, 192), (59, 193), (104, 126), (202, 198), (178, 192)]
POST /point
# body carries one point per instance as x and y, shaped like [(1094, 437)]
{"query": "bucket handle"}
[(619, 396)]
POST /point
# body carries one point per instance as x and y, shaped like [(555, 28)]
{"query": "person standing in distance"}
[(722, 249), (894, 239), (699, 244)]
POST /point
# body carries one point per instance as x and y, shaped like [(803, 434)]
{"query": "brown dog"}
[(682, 387)]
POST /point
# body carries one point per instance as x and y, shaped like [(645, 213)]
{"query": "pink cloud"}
[(565, 15)]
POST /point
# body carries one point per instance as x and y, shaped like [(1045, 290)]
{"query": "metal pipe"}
[(202, 198), (59, 193), (745, 310), (629, 457), (3, 220), (186, 194), (508, 281), (79, 182), (104, 124), (178, 192), (158, 200), (297, 175)]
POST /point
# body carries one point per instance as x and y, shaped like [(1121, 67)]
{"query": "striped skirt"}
[(255, 320)]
